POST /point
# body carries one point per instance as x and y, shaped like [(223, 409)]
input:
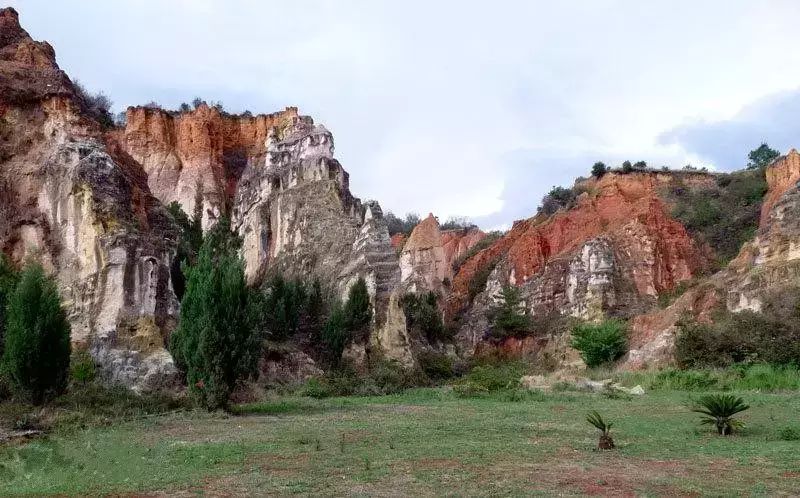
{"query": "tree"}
[(422, 313), (37, 346), (509, 317), (184, 107), (640, 165), (335, 334), (197, 102), (627, 167), (217, 341), (190, 238), (761, 156), (557, 198), (283, 304), (8, 280), (599, 169), (358, 309), (315, 309)]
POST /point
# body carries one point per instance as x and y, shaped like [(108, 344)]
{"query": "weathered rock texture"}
[(609, 255), (198, 156), (296, 216), (764, 265), (85, 211), (423, 264)]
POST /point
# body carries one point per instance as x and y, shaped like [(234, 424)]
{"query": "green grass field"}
[(421, 442)]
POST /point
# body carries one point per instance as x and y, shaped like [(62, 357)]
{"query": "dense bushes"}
[(397, 225), (190, 237), (216, 342), (347, 322), (37, 345), (740, 377), (8, 280), (423, 316), (772, 336), (97, 105), (724, 216), (557, 198), (600, 343)]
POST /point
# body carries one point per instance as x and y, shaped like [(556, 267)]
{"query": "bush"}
[(190, 237), (423, 316), (216, 342), (789, 434), (772, 336), (725, 215), (8, 280), (756, 377), (284, 302), (557, 198), (457, 223), (509, 317), (82, 367), (436, 366), (477, 283), (97, 105), (397, 225), (627, 167), (37, 344), (600, 343), (494, 376)]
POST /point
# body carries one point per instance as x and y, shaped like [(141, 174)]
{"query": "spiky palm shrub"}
[(605, 442), (719, 409)]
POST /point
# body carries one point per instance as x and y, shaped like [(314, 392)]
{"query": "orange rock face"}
[(781, 176), (626, 208), (198, 154), (457, 243)]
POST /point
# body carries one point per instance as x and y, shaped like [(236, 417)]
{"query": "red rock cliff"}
[(198, 154)]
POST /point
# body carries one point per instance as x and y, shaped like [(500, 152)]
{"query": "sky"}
[(460, 108)]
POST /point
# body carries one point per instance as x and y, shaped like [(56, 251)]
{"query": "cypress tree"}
[(37, 346), (358, 310), (8, 280), (216, 343)]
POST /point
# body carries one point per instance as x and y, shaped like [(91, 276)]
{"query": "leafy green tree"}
[(8, 280), (284, 303), (627, 167), (216, 342), (599, 169), (509, 317), (315, 309), (557, 198), (37, 346), (639, 165), (600, 343), (358, 309), (761, 156)]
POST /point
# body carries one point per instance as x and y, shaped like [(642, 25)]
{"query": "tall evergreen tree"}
[(37, 346), (358, 310), (216, 342), (8, 280), (509, 316)]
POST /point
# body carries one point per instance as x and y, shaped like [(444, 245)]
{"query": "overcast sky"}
[(460, 107)]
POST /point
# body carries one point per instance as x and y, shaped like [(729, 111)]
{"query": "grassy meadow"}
[(420, 442)]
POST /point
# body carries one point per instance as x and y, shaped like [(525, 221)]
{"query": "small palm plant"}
[(719, 409), (605, 442)]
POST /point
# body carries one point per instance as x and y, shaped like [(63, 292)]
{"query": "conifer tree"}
[(216, 342), (37, 344)]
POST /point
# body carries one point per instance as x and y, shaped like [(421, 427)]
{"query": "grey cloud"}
[(725, 144)]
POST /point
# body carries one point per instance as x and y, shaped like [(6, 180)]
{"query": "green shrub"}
[(509, 317), (423, 315), (8, 280), (436, 366), (495, 376), (761, 156), (770, 336), (757, 377), (599, 169), (477, 283), (37, 344), (719, 410), (558, 198), (216, 342), (789, 434), (600, 343), (82, 367), (283, 304), (724, 215), (316, 388)]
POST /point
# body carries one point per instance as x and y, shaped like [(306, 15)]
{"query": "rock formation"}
[(197, 156), (764, 265), (85, 211), (423, 265), (609, 255)]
